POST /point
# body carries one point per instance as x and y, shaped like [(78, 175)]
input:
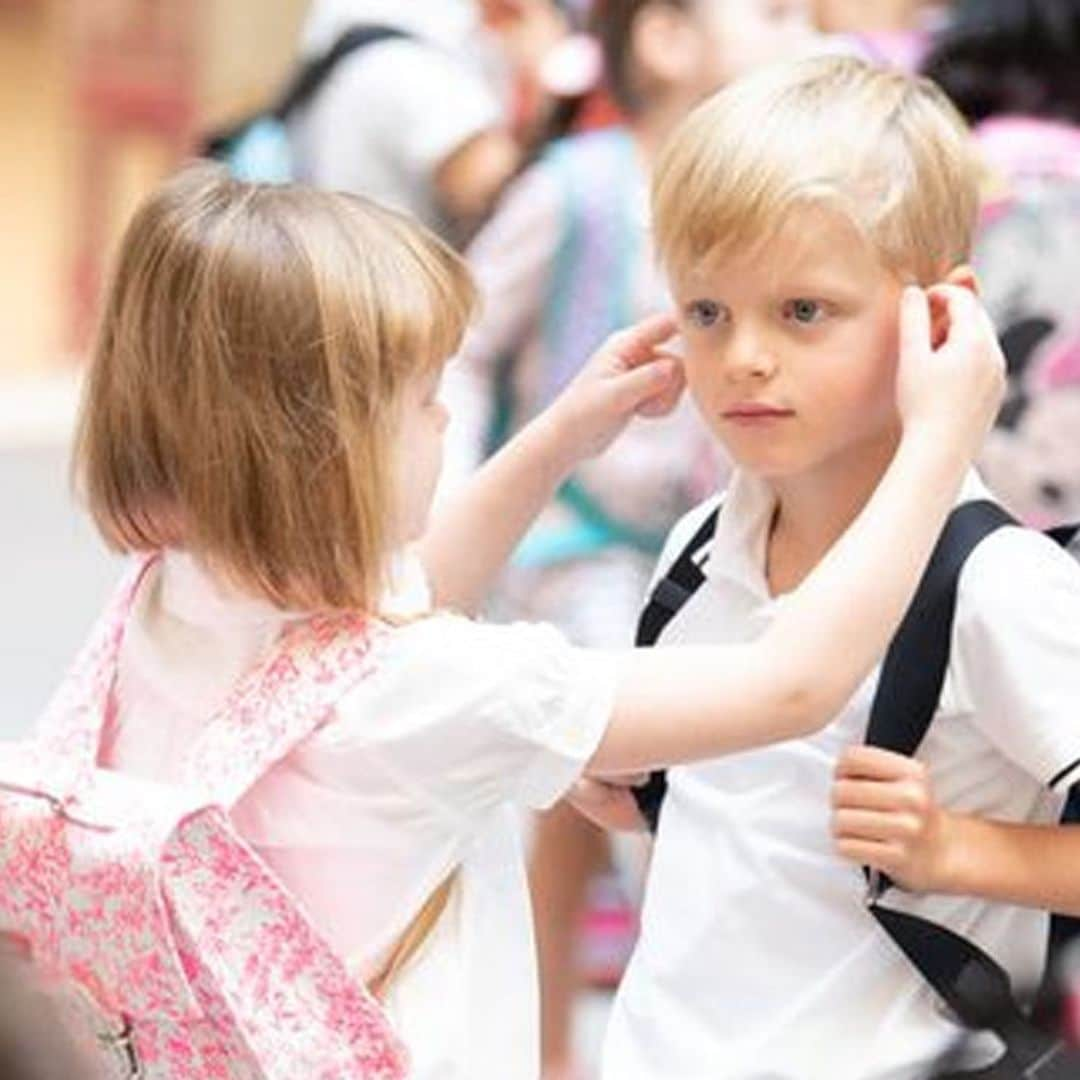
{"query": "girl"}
[(261, 417)]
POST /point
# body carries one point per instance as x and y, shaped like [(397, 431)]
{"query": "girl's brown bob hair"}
[(243, 395)]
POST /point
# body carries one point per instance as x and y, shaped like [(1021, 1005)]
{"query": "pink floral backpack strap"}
[(69, 731), (279, 704), (299, 1009)]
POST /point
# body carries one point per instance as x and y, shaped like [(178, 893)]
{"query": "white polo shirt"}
[(757, 958)]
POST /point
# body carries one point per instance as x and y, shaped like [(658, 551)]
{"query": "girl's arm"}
[(694, 702), (885, 816), (471, 538)]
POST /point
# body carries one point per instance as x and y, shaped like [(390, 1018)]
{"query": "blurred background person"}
[(1013, 69), (434, 122), (893, 32), (565, 260)]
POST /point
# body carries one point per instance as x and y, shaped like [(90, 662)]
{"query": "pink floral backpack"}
[(172, 951)]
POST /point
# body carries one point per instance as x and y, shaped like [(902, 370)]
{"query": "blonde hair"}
[(886, 149), (243, 393)]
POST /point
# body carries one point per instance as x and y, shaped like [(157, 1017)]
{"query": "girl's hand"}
[(629, 374), (950, 379), (885, 817)]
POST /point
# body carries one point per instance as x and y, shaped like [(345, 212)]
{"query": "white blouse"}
[(420, 774)]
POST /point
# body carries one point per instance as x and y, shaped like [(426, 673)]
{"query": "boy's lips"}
[(756, 412)]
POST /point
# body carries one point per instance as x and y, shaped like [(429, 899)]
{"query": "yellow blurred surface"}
[(244, 49)]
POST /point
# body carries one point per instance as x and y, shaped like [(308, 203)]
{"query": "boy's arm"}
[(885, 816), (688, 703), (475, 532), (1015, 673)]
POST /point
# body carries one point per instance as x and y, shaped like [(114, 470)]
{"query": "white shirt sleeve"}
[(431, 102), (396, 107), (470, 715), (1016, 651)]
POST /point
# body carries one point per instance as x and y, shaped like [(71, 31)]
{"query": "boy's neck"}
[(813, 509)]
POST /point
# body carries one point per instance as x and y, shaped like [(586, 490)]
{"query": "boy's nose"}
[(749, 357)]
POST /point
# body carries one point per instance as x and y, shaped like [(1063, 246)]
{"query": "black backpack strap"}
[(913, 672), (966, 978), (218, 143), (312, 74), (684, 577)]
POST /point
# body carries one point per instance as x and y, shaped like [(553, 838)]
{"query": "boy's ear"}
[(964, 277)]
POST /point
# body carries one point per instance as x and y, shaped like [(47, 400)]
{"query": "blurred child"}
[(790, 211), (261, 425), (895, 33), (415, 122), (1012, 67), (565, 260)]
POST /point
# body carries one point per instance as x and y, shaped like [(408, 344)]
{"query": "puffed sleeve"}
[(468, 715), (1016, 651)]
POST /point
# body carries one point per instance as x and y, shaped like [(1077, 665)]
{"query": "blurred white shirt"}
[(392, 113)]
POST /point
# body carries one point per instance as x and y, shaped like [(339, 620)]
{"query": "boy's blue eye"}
[(703, 313), (803, 311)]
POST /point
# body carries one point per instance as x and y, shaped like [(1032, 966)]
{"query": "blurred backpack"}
[(258, 148), (1027, 255), (167, 946)]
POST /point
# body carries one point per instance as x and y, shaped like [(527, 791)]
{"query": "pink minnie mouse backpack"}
[(1028, 258), (169, 948)]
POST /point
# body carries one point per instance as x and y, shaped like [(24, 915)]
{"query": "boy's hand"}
[(629, 374), (952, 386), (885, 817), (609, 804)]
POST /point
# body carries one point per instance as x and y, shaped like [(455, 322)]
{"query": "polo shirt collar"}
[(737, 556)]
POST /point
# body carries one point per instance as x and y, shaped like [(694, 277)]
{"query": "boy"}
[(790, 210), (564, 261)]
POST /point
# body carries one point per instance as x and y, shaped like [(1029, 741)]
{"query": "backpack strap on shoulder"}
[(280, 703), (973, 985), (311, 76), (684, 577), (69, 730), (913, 672)]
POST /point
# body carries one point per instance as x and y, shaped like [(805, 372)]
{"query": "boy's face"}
[(791, 351)]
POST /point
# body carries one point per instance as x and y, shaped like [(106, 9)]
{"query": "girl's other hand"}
[(885, 816), (630, 374), (953, 388)]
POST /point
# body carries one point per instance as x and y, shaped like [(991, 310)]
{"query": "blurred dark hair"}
[(1010, 56), (613, 27)]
